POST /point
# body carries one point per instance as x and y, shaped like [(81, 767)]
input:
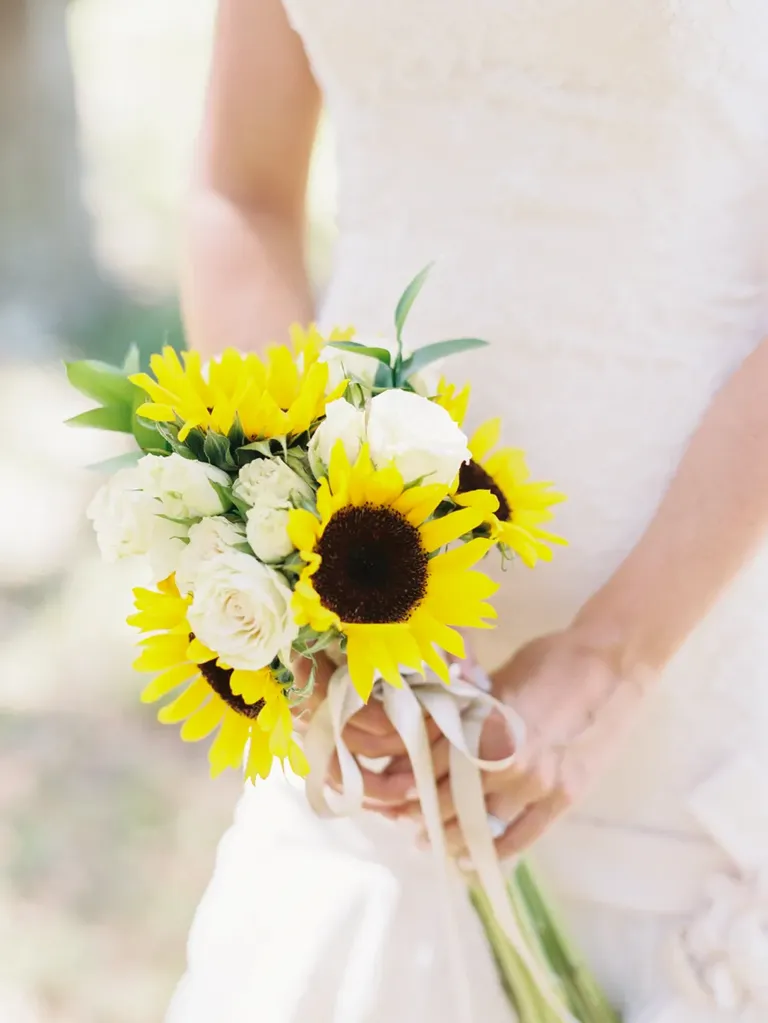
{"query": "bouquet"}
[(324, 497)]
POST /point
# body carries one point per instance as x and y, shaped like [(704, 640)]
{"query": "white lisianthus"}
[(343, 365), (182, 485), (207, 539), (242, 610), (342, 422), (128, 523), (415, 435), (271, 488)]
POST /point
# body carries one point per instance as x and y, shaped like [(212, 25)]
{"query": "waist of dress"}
[(632, 868)]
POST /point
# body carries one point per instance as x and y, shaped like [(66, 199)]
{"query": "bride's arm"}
[(244, 279)]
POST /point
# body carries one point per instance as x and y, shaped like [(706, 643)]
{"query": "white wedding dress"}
[(591, 179)]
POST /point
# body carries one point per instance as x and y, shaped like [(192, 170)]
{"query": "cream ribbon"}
[(459, 710)]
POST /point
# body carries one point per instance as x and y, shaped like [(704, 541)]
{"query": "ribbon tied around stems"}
[(460, 711)]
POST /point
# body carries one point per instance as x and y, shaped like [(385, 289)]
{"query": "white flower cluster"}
[(226, 536)]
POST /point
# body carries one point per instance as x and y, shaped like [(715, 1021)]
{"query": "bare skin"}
[(577, 690)]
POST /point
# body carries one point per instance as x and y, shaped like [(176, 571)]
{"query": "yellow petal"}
[(418, 503), (199, 653), (440, 532), (484, 438), (260, 758), (297, 760), (339, 468), (157, 413), (359, 663), (166, 681), (203, 721), (303, 529), (228, 748), (186, 703)]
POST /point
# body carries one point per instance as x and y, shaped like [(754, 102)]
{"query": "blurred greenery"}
[(108, 823)]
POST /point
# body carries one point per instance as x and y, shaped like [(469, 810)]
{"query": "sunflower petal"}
[(166, 681), (185, 704), (484, 438), (303, 528), (359, 663), (203, 721), (440, 532), (418, 503)]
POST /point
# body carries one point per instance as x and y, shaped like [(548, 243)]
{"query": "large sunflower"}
[(515, 506), (249, 708), (278, 395), (374, 572)]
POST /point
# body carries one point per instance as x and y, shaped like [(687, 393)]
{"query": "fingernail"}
[(422, 842), (412, 794)]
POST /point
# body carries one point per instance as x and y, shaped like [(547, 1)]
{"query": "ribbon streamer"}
[(459, 710)]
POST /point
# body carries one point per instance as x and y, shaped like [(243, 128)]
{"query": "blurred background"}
[(108, 823)]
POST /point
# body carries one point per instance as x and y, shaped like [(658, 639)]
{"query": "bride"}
[(591, 180)]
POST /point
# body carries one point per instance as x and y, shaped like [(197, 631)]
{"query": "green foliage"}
[(116, 418), (439, 350), (407, 299), (369, 351)]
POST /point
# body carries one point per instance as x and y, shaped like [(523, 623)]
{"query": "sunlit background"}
[(108, 823)]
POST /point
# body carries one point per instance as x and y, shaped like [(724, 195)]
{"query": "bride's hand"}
[(577, 704), (369, 734)]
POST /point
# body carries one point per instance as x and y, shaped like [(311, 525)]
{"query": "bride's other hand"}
[(576, 702), (368, 734)]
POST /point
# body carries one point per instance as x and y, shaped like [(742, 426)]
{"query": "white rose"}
[(128, 524), (417, 436), (343, 365), (207, 539), (271, 488), (269, 482), (182, 485), (242, 610), (342, 422)]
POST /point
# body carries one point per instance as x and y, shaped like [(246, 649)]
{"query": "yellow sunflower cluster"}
[(499, 483), (376, 570), (278, 395), (247, 709)]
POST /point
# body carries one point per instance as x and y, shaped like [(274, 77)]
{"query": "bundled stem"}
[(572, 982)]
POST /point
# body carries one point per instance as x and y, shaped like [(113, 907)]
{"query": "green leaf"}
[(384, 379), (368, 351), (408, 297), (225, 495), (261, 447), (132, 361), (217, 450), (100, 381), (146, 432), (117, 418), (439, 350), (124, 461), (236, 435)]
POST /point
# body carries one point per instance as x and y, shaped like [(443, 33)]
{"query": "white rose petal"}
[(342, 422), (270, 482), (242, 610), (207, 539), (128, 523), (417, 436), (182, 485)]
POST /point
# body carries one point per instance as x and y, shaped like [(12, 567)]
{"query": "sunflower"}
[(278, 395), (515, 506), (454, 401), (249, 708), (374, 571)]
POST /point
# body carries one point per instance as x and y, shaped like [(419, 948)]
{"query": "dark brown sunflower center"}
[(374, 566), (472, 476), (218, 679)]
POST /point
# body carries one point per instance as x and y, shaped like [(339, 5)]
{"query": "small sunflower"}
[(249, 708), (374, 572), (278, 395), (515, 506)]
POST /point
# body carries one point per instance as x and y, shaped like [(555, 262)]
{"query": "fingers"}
[(530, 826), (390, 789)]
